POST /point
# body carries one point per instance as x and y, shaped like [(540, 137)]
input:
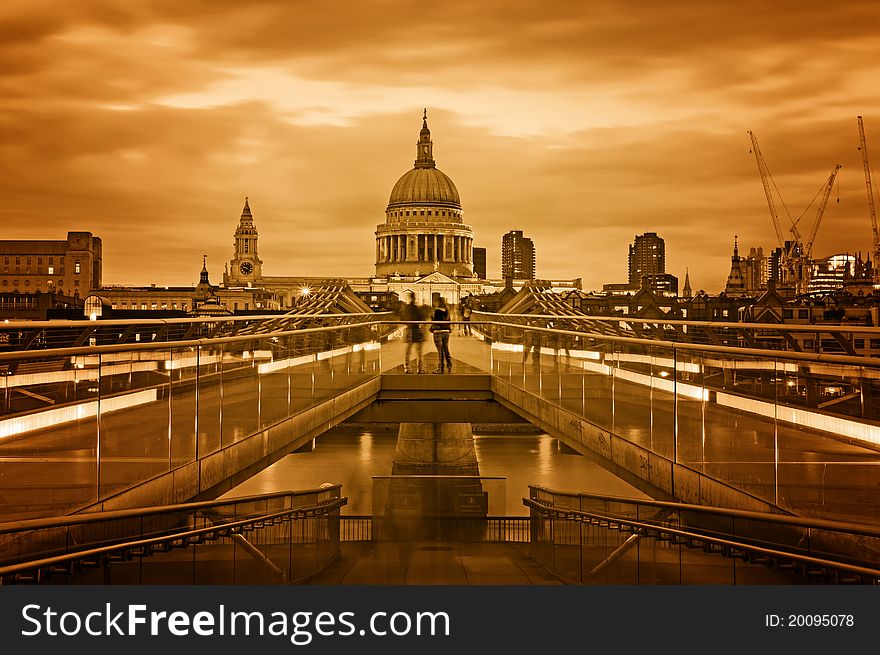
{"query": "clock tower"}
[(246, 267)]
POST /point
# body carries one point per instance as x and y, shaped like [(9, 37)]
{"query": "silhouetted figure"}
[(412, 334), (441, 330), (466, 316)]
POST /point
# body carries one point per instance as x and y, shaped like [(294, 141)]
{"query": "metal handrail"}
[(215, 530), (843, 527), (21, 325), (169, 345), (776, 327), (702, 347), (657, 343), (113, 515), (807, 560)]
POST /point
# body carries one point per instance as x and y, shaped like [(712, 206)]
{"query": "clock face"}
[(246, 268)]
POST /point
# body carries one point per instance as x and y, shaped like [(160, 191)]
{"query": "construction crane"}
[(795, 263), (863, 146), (765, 180), (823, 202)]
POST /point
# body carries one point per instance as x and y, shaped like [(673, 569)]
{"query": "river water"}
[(352, 456)]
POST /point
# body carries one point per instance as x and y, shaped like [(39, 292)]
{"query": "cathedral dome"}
[(424, 186)]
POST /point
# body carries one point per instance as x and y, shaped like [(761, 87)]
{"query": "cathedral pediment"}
[(436, 278)]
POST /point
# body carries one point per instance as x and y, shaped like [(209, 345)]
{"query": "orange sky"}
[(580, 123)]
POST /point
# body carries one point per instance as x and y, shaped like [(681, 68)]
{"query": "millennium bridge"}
[(755, 448)]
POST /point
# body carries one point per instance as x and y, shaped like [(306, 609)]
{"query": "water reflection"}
[(352, 456)]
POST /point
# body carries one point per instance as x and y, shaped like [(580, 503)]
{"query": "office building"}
[(517, 256)]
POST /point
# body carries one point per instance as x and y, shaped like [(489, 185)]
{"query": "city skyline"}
[(148, 124)]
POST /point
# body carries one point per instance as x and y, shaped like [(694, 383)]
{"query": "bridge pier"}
[(434, 492), (435, 449)]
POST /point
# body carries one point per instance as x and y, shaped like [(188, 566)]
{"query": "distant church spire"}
[(686, 292), (736, 281), (425, 148)]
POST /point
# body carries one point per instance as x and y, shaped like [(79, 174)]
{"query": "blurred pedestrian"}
[(466, 316), (412, 332), (441, 329)]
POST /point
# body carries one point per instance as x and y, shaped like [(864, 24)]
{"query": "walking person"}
[(441, 329), (412, 333), (466, 316)]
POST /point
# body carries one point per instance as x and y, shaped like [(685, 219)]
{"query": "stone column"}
[(419, 506)]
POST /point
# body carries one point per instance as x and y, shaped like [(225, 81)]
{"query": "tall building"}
[(756, 269), (71, 267), (647, 256), (480, 263), (424, 230), (517, 256)]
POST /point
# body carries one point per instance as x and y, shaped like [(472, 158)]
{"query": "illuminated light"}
[(61, 415), (803, 418), (271, 367), (93, 316), (507, 347), (305, 291), (52, 377), (664, 374), (190, 362)]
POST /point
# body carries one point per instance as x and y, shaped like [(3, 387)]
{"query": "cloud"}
[(582, 124)]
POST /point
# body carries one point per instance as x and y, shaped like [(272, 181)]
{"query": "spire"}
[(736, 282), (425, 148), (247, 209), (686, 292), (203, 278)]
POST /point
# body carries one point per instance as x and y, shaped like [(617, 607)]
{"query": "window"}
[(51, 260), (245, 245), (39, 270), (803, 313), (39, 260), (76, 267), (143, 305), (235, 306), (27, 283), (6, 260), (5, 283), (28, 260), (18, 260), (246, 306), (787, 313), (51, 270), (860, 343), (164, 305), (153, 306)]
